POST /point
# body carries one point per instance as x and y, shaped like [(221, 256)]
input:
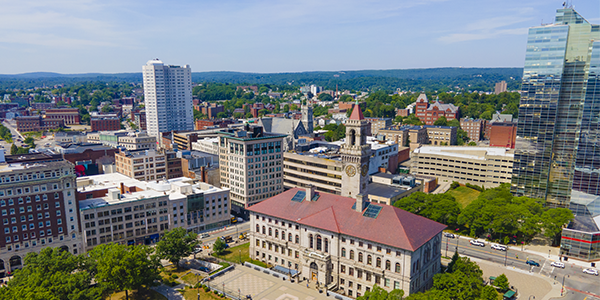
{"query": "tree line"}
[(495, 214)]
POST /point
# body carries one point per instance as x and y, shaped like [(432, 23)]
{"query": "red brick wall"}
[(503, 136), (403, 154)]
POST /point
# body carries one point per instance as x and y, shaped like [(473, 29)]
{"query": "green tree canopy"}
[(502, 282), (441, 208), (219, 246), (325, 97), (441, 121), (120, 267), (176, 244)]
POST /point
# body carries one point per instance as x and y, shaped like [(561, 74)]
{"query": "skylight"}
[(300, 195)]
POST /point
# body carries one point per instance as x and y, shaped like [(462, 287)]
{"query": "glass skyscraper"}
[(557, 156)]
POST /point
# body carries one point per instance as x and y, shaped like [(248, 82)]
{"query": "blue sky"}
[(109, 36)]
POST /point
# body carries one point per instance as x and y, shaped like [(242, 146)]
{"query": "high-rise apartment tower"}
[(167, 97)]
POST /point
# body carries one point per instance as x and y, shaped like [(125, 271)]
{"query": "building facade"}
[(500, 87), (314, 235), (474, 128), (70, 116), (38, 206), (503, 134), (137, 141), (37, 123), (428, 113), (378, 124), (105, 123), (482, 166), (251, 163), (167, 97)]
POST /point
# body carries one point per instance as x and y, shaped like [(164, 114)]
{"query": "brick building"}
[(210, 109), (105, 123), (69, 115), (37, 199), (428, 113), (206, 124), (139, 119), (38, 123), (350, 105), (503, 134), (473, 127), (88, 158)]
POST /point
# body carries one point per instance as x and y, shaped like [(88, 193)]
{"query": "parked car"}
[(499, 247), (197, 250), (204, 269), (532, 263), (204, 235), (449, 235), (558, 264), (591, 271), (477, 243)]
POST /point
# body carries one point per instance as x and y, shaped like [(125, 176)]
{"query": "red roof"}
[(393, 226), (356, 113)]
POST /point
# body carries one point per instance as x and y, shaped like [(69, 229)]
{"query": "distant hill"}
[(411, 79)]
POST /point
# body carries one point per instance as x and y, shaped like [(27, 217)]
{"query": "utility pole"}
[(505, 256)]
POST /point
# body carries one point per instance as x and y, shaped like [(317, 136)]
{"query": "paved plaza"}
[(262, 286)]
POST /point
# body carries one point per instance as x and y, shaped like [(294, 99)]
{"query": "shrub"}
[(475, 187), (454, 185)]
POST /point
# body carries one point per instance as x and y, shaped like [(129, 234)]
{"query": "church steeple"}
[(355, 155)]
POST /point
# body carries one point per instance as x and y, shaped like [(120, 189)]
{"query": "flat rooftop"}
[(386, 191), (468, 152)]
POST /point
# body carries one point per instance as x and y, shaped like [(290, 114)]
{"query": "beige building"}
[(119, 209), (441, 135), (251, 163), (482, 166), (388, 188), (415, 136), (304, 169), (142, 164), (315, 236), (137, 141)]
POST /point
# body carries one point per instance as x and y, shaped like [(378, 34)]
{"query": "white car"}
[(591, 271), (477, 243), (499, 247), (558, 264)]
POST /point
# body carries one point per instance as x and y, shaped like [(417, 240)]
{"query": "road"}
[(15, 135), (234, 230), (578, 285)]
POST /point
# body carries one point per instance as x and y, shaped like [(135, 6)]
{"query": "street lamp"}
[(505, 256), (563, 284)]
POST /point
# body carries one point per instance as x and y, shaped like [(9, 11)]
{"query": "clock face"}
[(351, 171), (364, 169)]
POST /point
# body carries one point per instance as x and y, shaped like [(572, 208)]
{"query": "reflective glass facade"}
[(557, 155)]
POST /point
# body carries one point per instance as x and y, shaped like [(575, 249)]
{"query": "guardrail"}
[(266, 271), (211, 277)]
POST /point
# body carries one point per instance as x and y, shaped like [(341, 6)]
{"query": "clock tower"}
[(355, 155)]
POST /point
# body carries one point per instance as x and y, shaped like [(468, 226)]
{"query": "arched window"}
[(319, 242), (351, 254), (352, 137), (310, 241), (264, 230), (369, 260), (257, 228), (388, 265), (326, 245), (343, 252), (276, 233), (297, 239), (360, 257), (378, 263), (270, 231), (289, 237), (397, 267)]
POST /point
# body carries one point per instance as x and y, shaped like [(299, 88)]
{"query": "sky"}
[(116, 36)]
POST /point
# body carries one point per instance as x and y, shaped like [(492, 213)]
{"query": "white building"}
[(208, 145), (346, 244), (167, 97), (138, 212)]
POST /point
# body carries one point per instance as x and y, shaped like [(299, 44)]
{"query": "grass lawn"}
[(142, 295), (191, 278), (234, 254), (192, 294), (464, 195), (169, 271)]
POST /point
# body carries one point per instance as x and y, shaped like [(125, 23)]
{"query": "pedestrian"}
[(307, 285), (517, 256)]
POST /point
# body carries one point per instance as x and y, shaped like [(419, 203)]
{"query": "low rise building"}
[(346, 245), (70, 137), (482, 166), (137, 141), (428, 113), (473, 127), (114, 208), (378, 124), (387, 188), (142, 165), (88, 158), (69, 116), (441, 135), (208, 145), (37, 123), (105, 123), (503, 134)]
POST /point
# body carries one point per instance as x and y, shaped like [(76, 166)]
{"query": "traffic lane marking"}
[(495, 253)]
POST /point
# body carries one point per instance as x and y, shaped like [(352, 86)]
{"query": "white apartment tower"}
[(167, 97)]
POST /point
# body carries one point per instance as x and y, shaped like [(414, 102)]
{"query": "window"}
[(319, 242), (360, 257), (397, 268), (343, 252), (264, 230), (310, 241), (378, 263), (369, 260), (289, 237), (351, 254), (297, 239), (257, 228), (388, 265)]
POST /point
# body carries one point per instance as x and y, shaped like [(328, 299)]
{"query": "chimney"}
[(310, 192), (122, 188), (203, 174), (361, 204)]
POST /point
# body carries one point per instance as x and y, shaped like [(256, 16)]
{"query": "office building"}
[(137, 141), (482, 166), (37, 201), (146, 165), (555, 154), (167, 97), (344, 244), (115, 208), (500, 87), (251, 163)]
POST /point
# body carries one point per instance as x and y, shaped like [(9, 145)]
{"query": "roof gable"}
[(356, 113)]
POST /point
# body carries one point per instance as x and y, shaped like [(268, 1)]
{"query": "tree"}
[(29, 141), (441, 208), (14, 149), (219, 246), (377, 293), (107, 109), (412, 120), (553, 221), (222, 115), (52, 274), (441, 121), (395, 294), (472, 144), (325, 97), (502, 282), (249, 116), (121, 267), (488, 293), (346, 98), (176, 244), (486, 115)]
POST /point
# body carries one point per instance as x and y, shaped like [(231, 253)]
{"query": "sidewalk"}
[(170, 292)]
